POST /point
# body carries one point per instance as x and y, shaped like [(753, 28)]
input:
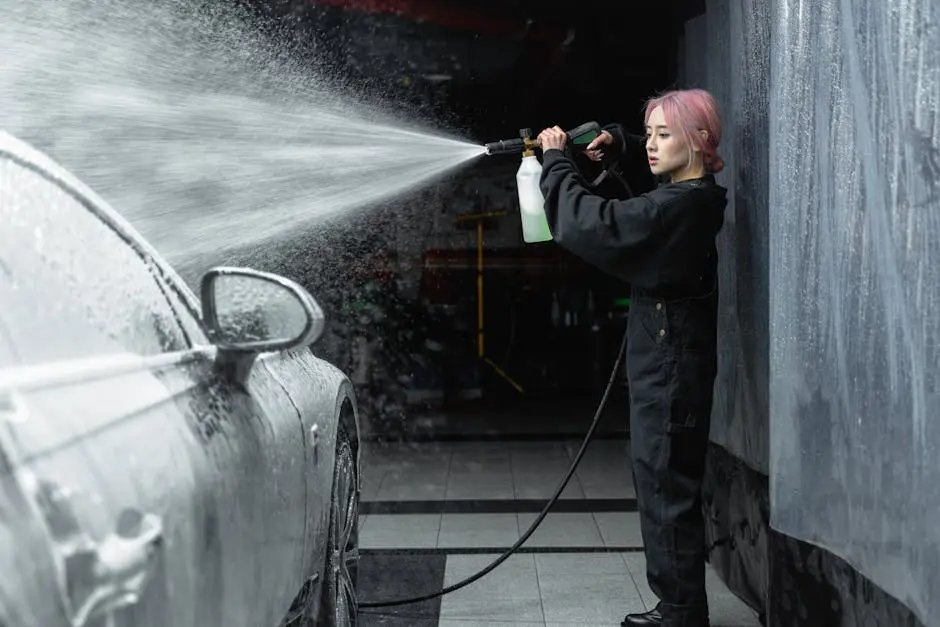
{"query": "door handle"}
[(98, 578), (126, 559)]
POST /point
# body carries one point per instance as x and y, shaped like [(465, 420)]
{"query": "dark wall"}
[(739, 31), (736, 495)]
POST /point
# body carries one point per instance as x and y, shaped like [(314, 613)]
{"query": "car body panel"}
[(317, 387), (229, 487), (82, 464), (252, 474)]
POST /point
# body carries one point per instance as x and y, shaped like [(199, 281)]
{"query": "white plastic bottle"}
[(531, 203)]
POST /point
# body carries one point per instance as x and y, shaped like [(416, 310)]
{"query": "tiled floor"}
[(436, 513)]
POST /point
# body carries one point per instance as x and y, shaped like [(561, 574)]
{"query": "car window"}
[(70, 285), (190, 321)]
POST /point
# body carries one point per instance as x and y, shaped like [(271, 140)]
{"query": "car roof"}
[(25, 153)]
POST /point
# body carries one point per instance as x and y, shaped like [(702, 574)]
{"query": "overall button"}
[(662, 332), (659, 305)]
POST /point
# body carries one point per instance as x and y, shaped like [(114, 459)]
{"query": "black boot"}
[(653, 617)]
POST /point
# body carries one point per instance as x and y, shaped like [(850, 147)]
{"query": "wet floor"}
[(434, 513)]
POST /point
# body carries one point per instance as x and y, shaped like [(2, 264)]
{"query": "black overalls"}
[(663, 244)]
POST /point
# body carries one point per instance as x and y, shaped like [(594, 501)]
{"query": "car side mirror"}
[(249, 311)]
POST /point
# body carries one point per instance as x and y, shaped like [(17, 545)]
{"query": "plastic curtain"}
[(855, 287), (831, 271)]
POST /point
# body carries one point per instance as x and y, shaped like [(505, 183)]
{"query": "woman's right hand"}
[(595, 150)]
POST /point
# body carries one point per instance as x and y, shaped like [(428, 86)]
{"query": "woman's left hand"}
[(552, 139)]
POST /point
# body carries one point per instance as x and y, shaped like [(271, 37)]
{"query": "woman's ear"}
[(704, 135)]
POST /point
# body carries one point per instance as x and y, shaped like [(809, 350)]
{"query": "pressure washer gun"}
[(579, 138)]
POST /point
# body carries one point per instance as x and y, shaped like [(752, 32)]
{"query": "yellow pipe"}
[(500, 372), (480, 349), (479, 216)]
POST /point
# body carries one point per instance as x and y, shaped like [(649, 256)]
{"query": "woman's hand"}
[(552, 139), (595, 150)]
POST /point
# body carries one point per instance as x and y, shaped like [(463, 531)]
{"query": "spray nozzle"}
[(513, 146)]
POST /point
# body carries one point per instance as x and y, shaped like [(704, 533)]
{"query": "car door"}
[(99, 455), (155, 478), (250, 433)]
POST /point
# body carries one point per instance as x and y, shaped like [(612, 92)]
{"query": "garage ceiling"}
[(491, 66)]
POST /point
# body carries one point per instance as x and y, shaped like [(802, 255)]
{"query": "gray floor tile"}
[(413, 486), (580, 564), (481, 486), (604, 471), (620, 528), (473, 622), (556, 468), (613, 460), (486, 611), (401, 531), (599, 449), (409, 460), (478, 530), (483, 467), (480, 452), (484, 473), (539, 455), (538, 485), (402, 491), (416, 468), (608, 490), (398, 453), (510, 593), (636, 564), (562, 530), (595, 470), (539, 446), (599, 486), (514, 578), (436, 466), (589, 600)]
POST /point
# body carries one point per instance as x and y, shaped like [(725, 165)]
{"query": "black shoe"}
[(653, 617)]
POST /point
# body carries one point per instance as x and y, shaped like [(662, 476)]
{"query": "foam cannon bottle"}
[(531, 203)]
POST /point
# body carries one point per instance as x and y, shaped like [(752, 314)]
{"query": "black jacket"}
[(662, 241)]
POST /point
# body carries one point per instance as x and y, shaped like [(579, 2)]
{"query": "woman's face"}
[(666, 150)]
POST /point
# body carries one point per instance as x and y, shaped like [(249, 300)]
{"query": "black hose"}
[(502, 558)]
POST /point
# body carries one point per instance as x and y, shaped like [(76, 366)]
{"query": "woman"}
[(663, 244)]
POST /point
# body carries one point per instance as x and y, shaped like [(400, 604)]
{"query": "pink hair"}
[(692, 111)]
